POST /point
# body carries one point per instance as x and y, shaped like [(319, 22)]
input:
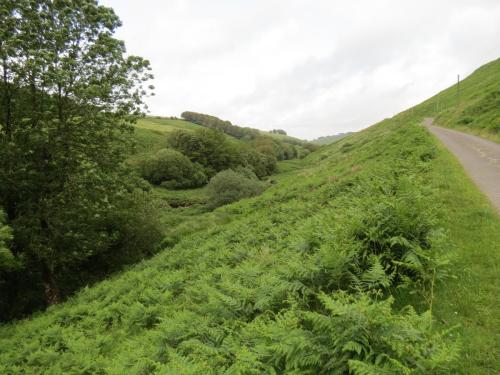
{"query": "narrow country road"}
[(480, 158)]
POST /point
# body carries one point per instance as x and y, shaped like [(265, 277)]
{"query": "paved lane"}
[(480, 158)]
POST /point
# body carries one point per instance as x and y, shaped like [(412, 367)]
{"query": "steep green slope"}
[(283, 287), (165, 125), (150, 132), (474, 107), (474, 225)]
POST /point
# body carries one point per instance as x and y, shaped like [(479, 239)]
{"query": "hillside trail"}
[(479, 157)]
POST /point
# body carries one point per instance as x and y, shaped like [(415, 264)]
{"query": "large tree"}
[(68, 96)]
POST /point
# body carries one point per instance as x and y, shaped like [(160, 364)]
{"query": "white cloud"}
[(310, 67)]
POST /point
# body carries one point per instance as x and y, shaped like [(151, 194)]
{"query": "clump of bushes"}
[(207, 147), (172, 170), (230, 186), (212, 150)]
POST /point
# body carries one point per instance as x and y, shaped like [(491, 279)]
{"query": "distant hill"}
[(257, 149), (241, 132), (329, 139)]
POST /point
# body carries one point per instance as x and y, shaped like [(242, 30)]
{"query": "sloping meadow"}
[(312, 277), (473, 106)]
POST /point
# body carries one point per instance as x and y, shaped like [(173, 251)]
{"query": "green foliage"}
[(172, 169), (206, 147), (215, 123), (69, 95), (230, 186), (278, 131), (7, 259), (215, 152), (294, 281), (261, 164), (351, 334), (274, 143)]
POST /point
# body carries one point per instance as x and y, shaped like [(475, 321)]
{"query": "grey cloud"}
[(312, 68)]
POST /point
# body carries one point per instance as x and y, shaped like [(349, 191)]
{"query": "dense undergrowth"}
[(299, 280)]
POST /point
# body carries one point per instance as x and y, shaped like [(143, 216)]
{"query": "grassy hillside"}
[(329, 139), (262, 293), (474, 108), (165, 125), (314, 276), (150, 132), (472, 223)]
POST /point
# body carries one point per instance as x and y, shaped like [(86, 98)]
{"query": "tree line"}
[(282, 149)]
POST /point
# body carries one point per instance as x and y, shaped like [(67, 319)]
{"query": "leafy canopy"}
[(68, 96)]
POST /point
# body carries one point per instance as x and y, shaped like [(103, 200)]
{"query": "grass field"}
[(150, 133), (165, 125)]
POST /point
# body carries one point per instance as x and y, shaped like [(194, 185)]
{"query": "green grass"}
[(165, 125), (290, 165), (149, 141), (471, 299), (250, 287), (475, 110), (150, 133), (190, 309)]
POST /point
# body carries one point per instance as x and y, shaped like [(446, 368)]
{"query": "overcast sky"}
[(311, 67)]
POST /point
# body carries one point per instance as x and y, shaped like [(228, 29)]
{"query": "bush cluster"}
[(230, 186), (282, 149), (172, 170)]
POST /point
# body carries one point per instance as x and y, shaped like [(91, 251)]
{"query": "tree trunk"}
[(52, 292)]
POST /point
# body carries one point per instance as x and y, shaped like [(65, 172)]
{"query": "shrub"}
[(172, 169), (260, 163), (302, 152), (207, 147), (229, 186), (246, 172)]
